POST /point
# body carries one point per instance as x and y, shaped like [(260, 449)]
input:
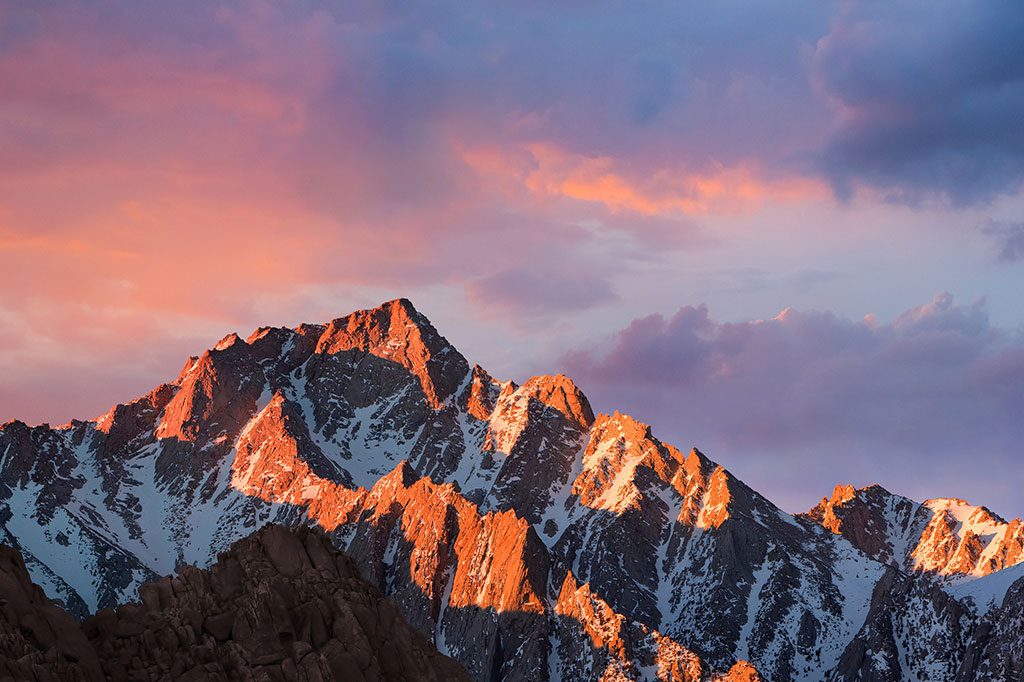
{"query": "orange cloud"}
[(547, 171)]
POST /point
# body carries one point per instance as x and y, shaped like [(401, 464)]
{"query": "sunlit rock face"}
[(594, 642), (946, 538), (492, 513)]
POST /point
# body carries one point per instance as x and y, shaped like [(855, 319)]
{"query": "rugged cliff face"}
[(279, 605), (476, 504), (946, 538)]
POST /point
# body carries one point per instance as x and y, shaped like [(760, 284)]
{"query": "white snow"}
[(440, 640), (987, 592), (469, 474), (72, 561), (363, 446), (761, 576), (990, 531), (560, 512)]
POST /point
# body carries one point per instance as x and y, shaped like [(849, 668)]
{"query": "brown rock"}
[(273, 626)]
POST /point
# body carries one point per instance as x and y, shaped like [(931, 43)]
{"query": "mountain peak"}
[(439, 479), (873, 519), (962, 510), (559, 392), (943, 536), (403, 476), (396, 331), (843, 493), (228, 341)]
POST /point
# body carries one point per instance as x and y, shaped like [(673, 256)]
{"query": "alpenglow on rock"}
[(946, 538), (524, 536)]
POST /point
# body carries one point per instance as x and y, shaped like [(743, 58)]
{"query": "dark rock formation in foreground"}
[(280, 606)]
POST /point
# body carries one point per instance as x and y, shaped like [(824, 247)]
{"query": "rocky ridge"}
[(474, 503), (945, 538), (279, 605)]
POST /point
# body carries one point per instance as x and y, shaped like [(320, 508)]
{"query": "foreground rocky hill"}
[(523, 535), (279, 605)]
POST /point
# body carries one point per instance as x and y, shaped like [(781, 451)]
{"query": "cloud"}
[(547, 287), (821, 399), (71, 359), (1009, 239), (203, 161), (198, 167), (930, 97), (667, 190)]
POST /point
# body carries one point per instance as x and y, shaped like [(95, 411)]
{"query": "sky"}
[(790, 234)]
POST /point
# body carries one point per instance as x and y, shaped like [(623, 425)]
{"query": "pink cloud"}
[(190, 169), (548, 171)]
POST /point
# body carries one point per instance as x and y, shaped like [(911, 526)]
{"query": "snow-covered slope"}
[(988, 593), (946, 538), (512, 526)]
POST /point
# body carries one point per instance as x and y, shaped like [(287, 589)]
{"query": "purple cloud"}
[(1009, 239), (808, 399), (542, 289), (931, 98)]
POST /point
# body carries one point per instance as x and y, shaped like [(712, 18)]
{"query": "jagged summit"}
[(964, 511), (946, 537), (472, 501), (394, 331)]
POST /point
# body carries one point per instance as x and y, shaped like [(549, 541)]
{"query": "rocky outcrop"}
[(38, 640), (533, 439), (592, 642), (913, 630), (873, 519), (946, 538), (963, 539), (398, 332), (280, 605), (742, 671), (474, 582), (916, 630)]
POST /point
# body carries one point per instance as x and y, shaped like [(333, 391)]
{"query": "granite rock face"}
[(513, 527), (945, 538), (280, 605)]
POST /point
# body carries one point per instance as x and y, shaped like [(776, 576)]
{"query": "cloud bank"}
[(930, 98), (913, 404)]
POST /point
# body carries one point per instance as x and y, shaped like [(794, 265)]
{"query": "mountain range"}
[(524, 536)]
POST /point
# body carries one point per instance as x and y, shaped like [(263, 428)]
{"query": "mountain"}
[(523, 535), (948, 538), (279, 605)]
